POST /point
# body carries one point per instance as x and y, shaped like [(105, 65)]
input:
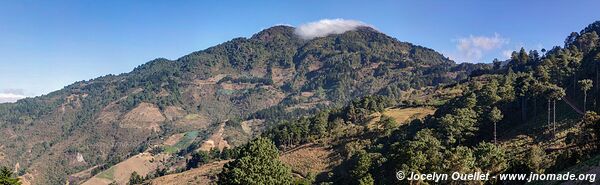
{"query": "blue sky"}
[(46, 45)]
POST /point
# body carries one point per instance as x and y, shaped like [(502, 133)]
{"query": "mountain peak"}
[(367, 29), (313, 30), (273, 32), (326, 27)]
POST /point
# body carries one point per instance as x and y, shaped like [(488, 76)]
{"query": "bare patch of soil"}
[(237, 86), (281, 75), (310, 158), (144, 116), (143, 164), (252, 126), (216, 140), (173, 112)]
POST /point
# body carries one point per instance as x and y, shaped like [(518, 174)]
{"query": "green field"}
[(187, 139)]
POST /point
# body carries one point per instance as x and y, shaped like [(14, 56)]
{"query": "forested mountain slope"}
[(520, 118), (271, 76)]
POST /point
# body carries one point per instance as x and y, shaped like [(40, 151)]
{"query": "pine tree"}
[(198, 158), (495, 115), (585, 85), (459, 159), (135, 178), (362, 164), (258, 164), (318, 125), (554, 93), (491, 158), (536, 90), (522, 89), (422, 154), (536, 159), (488, 95), (460, 125)]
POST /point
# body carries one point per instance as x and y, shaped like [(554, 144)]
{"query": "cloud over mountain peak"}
[(326, 27)]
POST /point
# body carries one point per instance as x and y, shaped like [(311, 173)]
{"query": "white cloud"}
[(326, 27), (473, 48), (11, 95), (507, 53), (8, 98)]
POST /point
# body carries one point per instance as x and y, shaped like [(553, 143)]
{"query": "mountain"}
[(536, 114), (273, 75)]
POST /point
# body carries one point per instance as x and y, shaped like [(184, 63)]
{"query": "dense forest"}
[(549, 96)]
